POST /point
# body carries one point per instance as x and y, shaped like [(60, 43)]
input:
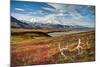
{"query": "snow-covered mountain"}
[(36, 24), (46, 23), (52, 19)]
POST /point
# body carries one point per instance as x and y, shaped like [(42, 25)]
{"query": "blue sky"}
[(67, 14)]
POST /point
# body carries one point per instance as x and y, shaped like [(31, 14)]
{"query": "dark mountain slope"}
[(18, 24)]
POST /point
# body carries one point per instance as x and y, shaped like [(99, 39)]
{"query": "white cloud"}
[(68, 8), (21, 16), (50, 9), (57, 6), (19, 9)]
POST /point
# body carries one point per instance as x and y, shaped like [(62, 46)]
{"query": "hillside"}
[(18, 24)]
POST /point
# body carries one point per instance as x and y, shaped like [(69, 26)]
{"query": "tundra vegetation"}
[(31, 47)]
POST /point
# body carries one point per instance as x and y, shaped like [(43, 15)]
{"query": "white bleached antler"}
[(62, 50)]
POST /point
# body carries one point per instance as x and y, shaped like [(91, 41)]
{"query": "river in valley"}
[(54, 34)]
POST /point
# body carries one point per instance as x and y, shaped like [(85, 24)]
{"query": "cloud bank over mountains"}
[(66, 14)]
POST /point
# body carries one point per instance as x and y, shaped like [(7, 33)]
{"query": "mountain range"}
[(15, 23)]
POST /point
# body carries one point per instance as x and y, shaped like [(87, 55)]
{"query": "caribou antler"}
[(62, 50), (78, 47)]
